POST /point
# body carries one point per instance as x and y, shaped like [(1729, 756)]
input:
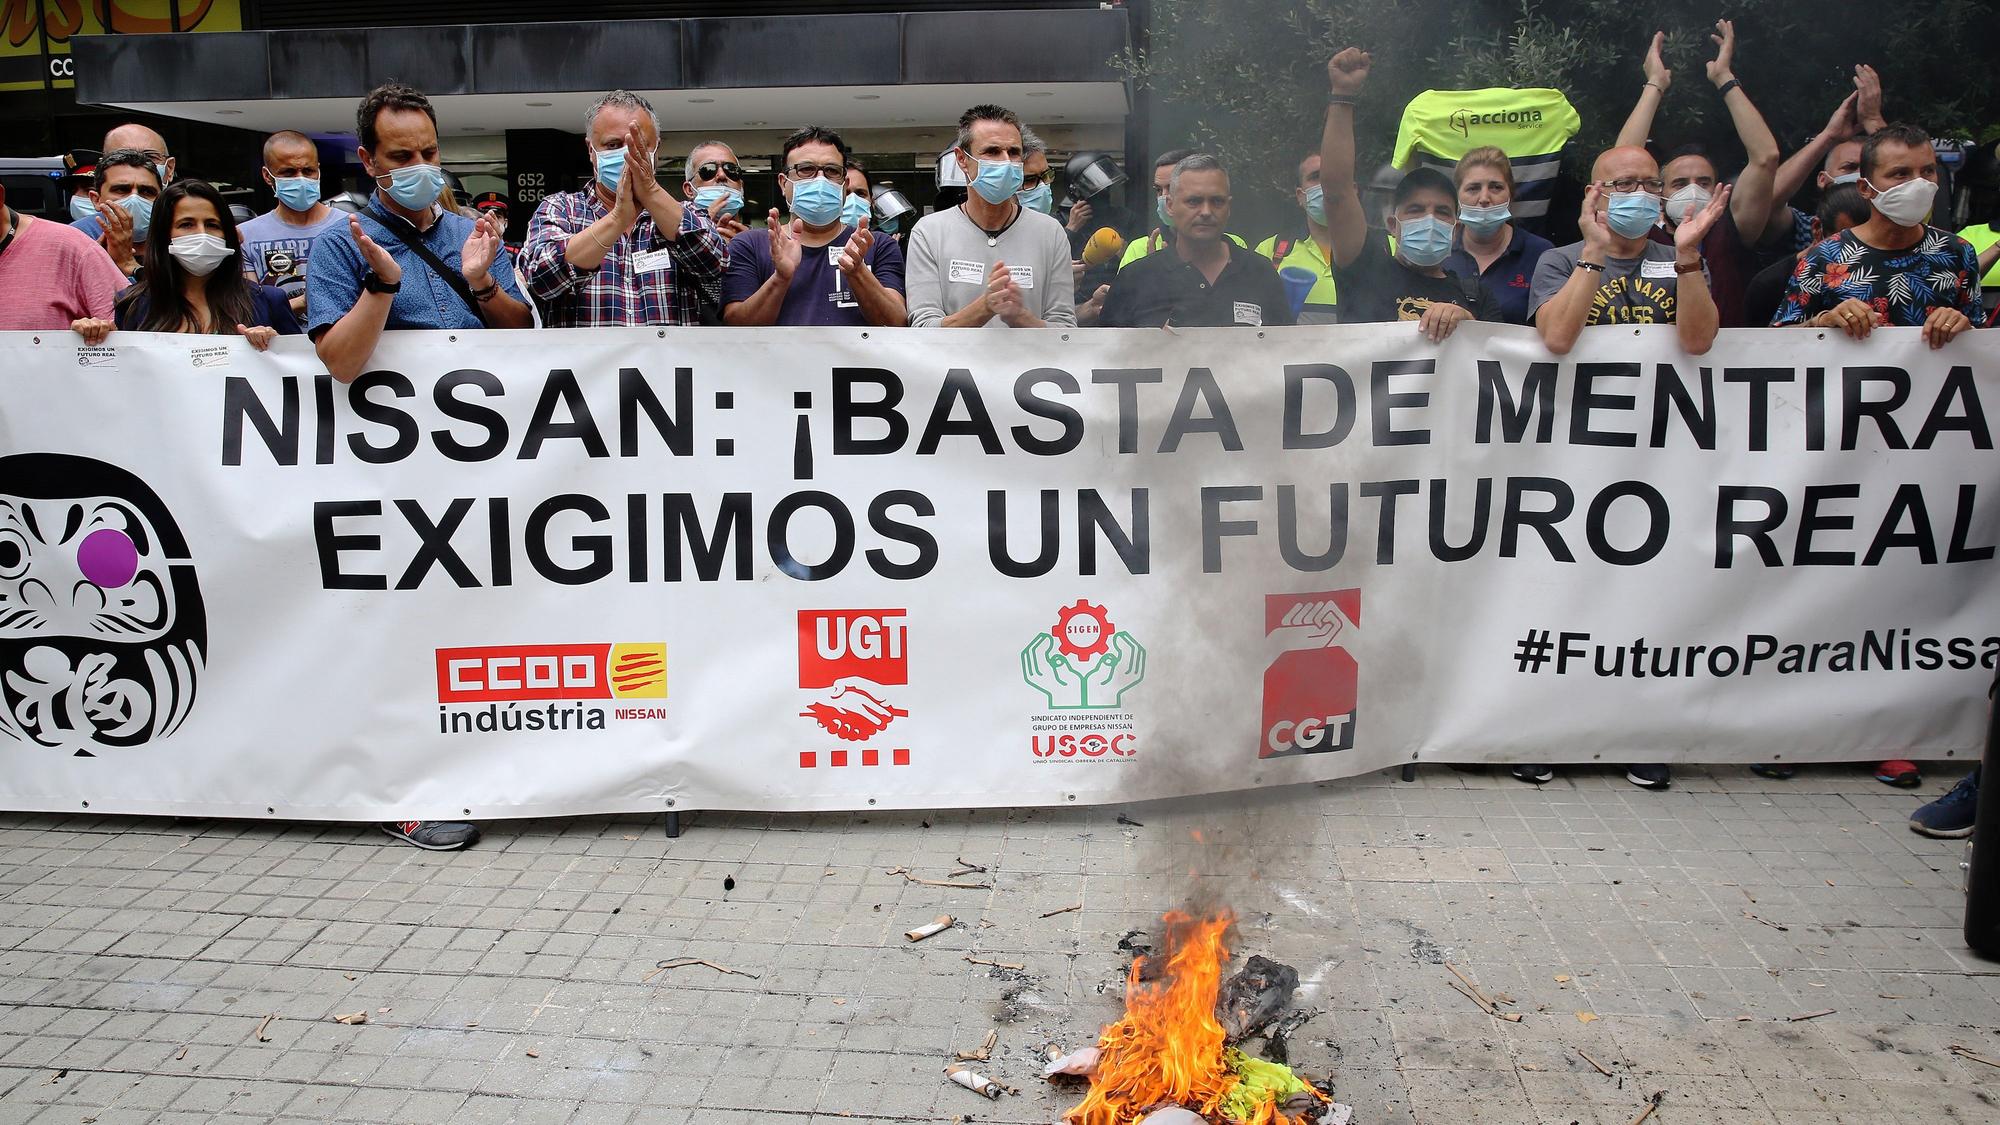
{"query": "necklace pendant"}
[(992, 241)]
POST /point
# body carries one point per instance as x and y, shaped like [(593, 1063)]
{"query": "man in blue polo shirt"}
[(404, 262)]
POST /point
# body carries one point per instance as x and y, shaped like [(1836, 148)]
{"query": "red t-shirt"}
[(51, 275)]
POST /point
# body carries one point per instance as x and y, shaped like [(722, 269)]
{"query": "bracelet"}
[(1594, 267), (486, 294), (1732, 84), (1656, 86), (1681, 269), (1342, 99)]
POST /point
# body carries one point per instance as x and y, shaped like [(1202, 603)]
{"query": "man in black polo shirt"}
[(1203, 280)]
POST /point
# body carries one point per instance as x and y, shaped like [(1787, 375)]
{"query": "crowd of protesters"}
[(1666, 243)]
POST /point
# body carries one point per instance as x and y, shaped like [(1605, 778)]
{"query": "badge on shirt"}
[(969, 273), (1024, 276), (1651, 268), (652, 261), (1250, 313)]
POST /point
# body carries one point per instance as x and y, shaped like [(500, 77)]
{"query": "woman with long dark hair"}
[(193, 280)]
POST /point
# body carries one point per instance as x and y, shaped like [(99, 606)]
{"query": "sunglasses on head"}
[(708, 169)]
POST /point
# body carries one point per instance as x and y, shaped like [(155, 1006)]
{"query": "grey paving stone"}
[(1689, 928)]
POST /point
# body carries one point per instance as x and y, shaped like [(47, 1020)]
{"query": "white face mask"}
[(199, 254), (1687, 203), (1907, 204)]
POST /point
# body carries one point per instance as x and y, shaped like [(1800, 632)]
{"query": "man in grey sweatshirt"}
[(989, 261)]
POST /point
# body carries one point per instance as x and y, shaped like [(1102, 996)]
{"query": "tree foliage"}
[(1246, 79)]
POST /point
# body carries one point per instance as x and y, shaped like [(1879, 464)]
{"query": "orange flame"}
[(1167, 1050)]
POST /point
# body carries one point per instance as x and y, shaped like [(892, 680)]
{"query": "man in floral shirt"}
[(1894, 269)]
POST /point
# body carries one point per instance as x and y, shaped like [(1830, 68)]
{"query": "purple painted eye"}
[(107, 558)]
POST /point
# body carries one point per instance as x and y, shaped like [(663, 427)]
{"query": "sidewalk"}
[(1674, 937)]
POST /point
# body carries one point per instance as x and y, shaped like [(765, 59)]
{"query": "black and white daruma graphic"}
[(102, 630)]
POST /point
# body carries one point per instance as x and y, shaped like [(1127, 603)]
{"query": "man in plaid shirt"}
[(622, 251)]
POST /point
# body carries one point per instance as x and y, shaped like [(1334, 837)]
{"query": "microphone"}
[(1105, 245)]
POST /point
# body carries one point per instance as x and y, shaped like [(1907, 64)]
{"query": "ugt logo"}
[(1310, 683), (852, 657), (1083, 662), (102, 630)]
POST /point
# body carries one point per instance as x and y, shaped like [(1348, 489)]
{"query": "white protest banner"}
[(515, 573)]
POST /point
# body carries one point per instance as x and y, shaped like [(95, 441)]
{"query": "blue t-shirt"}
[(1511, 275), (336, 267), (275, 252), (819, 293), (269, 308)]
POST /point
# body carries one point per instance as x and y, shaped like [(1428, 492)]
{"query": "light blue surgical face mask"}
[(1160, 209), (415, 187), (162, 170), (1485, 221), (705, 198), (817, 202), (1632, 213), (1316, 204), (890, 225), (81, 208), (1038, 198), (853, 209), (610, 168), (997, 179), (1851, 177), (296, 193), (1424, 241), (141, 210)]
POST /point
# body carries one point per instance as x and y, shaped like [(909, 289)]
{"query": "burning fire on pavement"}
[(1169, 1059)]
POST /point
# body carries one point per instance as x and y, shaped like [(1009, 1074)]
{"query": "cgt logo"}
[(1312, 678), (851, 658), (522, 673)]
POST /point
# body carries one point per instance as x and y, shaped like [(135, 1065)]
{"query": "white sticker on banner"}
[(967, 273), (1650, 268), (1250, 313)]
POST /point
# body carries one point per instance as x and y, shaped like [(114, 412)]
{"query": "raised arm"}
[(1347, 223), (1639, 126), (1561, 317), (1695, 314), (345, 344), (1751, 209), (1800, 166)]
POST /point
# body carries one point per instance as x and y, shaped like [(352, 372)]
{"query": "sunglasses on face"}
[(707, 169), (1045, 176)]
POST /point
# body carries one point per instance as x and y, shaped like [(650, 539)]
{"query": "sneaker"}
[(1651, 776), (1775, 771), (1950, 816), (433, 835), (1534, 775), (1899, 773)]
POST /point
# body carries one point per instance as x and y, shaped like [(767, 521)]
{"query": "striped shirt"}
[(1531, 126), (643, 279)]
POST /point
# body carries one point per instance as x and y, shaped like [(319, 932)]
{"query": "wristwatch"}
[(374, 284)]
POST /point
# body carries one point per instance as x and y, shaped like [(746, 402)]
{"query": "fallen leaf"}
[(1586, 1017), (534, 1054), (352, 1018), (1562, 978)]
